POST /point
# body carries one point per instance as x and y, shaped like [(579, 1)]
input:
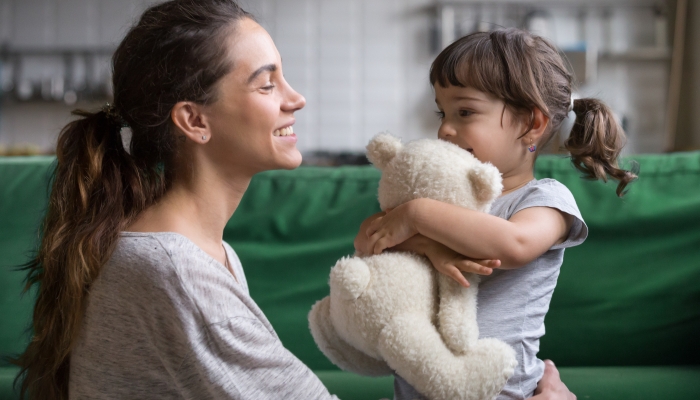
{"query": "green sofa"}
[(624, 322)]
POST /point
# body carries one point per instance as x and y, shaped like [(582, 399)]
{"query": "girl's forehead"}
[(457, 93)]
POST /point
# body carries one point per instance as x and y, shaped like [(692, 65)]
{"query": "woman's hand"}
[(391, 229), (453, 264), (550, 387)]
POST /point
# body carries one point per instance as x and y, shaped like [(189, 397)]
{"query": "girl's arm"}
[(527, 235), (444, 259)]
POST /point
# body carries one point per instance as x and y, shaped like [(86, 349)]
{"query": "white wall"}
[(362, 64)]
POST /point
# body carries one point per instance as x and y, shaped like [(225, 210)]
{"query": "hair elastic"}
[(113, 115)]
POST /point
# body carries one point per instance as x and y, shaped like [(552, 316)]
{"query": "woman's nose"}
[(294, 101)]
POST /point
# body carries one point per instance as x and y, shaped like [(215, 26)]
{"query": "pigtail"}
[(96, 189), (595, 143)]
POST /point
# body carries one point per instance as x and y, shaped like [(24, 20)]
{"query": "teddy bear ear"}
[(382, 149)]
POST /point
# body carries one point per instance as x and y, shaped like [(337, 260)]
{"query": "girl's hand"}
[(452, 264), (362, 242), (393, 228)]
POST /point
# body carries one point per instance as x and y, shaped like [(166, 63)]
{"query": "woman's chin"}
[(290, 160), (294, 161)]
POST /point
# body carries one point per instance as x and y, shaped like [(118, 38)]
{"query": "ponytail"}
[(96, 189), (595, 143)]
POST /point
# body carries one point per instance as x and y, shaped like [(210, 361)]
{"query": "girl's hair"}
[(176, 52), (526, 71)]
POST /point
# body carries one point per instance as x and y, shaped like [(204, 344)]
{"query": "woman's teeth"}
[(284, 131)]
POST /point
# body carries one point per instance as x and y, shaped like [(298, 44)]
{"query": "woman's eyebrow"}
[(268, 67)]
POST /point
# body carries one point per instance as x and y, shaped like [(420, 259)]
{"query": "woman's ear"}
[(190, 121)]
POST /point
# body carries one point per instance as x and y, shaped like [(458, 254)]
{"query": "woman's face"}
[(251, 120)]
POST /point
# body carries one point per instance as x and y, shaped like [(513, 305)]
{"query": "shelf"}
[(639, 54)]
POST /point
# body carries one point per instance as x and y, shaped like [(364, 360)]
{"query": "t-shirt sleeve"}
[(550, 193)]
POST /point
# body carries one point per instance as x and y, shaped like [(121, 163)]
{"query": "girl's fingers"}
[(381, 244), (373, 227), (473, 267), (454, 273), (488, 263)]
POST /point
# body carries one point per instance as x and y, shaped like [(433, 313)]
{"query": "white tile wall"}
[(362, 65)]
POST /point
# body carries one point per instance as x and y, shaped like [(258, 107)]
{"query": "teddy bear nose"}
[(349, 278)]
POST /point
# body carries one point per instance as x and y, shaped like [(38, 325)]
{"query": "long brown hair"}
[(526, 71), (176, 52)]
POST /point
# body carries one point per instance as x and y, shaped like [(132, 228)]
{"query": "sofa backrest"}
[(627, 296)]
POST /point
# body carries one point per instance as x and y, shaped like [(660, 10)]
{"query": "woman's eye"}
[(440, 114), (268, 87), (465, 113)]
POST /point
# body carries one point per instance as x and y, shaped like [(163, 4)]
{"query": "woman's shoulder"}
[(158, 253), (169, 267)]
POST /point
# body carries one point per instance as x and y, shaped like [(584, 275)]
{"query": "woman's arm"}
[(528, 234)]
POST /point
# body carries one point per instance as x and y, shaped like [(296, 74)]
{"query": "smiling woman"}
[(138, 295)]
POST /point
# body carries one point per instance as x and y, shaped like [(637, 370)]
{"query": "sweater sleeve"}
[(232, 351), (240, 359)]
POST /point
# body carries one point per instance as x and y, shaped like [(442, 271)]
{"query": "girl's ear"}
[(190, 121), (539, 122), (382, 149)]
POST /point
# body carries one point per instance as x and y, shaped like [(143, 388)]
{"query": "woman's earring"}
[(204, 137)]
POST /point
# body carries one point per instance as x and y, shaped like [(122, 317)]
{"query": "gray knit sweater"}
[(166, 321)]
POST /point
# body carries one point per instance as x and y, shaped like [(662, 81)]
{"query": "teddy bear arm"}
[(338, 351)]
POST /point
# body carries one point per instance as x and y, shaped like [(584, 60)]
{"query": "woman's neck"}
[(198, 205)]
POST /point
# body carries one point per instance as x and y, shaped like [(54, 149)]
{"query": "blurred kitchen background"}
[(363, 64)]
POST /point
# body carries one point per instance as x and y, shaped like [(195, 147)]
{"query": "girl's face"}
[(478, 123), (251, 120)]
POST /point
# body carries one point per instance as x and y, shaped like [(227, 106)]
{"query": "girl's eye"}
[(268, 87), (440, 114), (465, 113)]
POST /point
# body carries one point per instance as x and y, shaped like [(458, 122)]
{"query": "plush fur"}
[(393, 311)]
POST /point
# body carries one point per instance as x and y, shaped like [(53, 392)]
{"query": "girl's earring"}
[(532, 147), (204, 137)]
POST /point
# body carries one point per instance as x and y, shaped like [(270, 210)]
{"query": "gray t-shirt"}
[(512, 303), (166, 321)]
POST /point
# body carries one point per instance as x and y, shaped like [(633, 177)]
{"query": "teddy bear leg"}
[(457, 313), (414, 349), (336, 349)]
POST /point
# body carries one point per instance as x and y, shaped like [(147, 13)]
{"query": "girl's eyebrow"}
[(467, 98)]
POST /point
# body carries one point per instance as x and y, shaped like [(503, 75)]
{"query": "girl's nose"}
[(445, 131)]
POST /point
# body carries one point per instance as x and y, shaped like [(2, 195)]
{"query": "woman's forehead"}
[(252, 50)]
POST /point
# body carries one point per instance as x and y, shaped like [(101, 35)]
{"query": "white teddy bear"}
[(393, 312)]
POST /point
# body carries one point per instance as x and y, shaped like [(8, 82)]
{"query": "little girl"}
[(501, 95)]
